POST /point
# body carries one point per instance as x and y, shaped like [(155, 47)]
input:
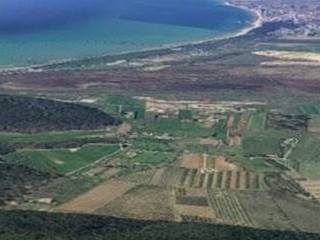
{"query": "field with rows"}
[(194, 178), (309, 109), (228, 208), (141, 202)]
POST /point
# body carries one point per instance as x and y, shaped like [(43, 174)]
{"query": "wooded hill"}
[(26, 114)]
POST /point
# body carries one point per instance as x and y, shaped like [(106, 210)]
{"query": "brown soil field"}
[(124, 128), (195, 211), (199, 161), (221, 164), (313, 187), (97, 197), (191, 161), (156, 179), (142, 177), (209, 141), (235, 140), (142, 202)]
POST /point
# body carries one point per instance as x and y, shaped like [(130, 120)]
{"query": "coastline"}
[(257, 23)]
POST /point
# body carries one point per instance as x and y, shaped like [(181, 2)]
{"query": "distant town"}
[(304, 15)]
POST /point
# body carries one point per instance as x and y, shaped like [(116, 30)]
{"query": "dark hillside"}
[(26, 114), (19, 181), (36, 225)]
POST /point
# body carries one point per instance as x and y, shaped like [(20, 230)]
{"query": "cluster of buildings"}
[(305, 14)]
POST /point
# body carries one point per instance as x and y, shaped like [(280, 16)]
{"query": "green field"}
[(120, 105), (220, 130), (307, 154), (261, 143), (153, 158), (236, 120), (149, 151), (257, 120), (177, 128), (309, 109), (51, 136), (61, 160), (151, 144), (258, 164)]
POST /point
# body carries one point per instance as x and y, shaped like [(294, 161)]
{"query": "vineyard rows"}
[(227, 208)]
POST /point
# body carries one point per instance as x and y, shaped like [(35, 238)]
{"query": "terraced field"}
[(195, 178)]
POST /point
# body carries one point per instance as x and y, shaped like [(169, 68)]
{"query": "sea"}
[(44, 31)]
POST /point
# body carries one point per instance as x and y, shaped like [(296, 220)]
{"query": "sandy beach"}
[(256, 24)]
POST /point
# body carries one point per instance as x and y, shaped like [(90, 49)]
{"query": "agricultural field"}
[(220, 130), (257, 120), (309, 109), (305, 157), (97, 197), (123, 106), (141, 202), (174, 127), (54, 136), (61, 161), (195, 178), (228, 208), (314, 124), (198, 166), (287, 121), (262, 143), (148, 151)]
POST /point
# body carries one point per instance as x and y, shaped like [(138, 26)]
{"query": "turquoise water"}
[(142, 24)]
